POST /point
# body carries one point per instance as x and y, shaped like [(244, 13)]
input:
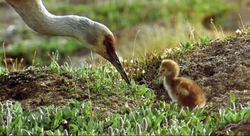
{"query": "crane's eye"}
[(106, 43), (109, 42)]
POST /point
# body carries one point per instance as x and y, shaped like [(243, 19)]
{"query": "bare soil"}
[(35, 87), (219, 68)]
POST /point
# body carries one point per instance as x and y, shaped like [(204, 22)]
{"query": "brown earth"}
[(241, 126), (34, 88), (219, 68)]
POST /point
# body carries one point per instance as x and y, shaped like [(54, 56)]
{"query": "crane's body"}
[(95, 36)]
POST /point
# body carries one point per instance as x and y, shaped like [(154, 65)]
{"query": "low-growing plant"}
[(78, 119), (3, 71), (204, 41)]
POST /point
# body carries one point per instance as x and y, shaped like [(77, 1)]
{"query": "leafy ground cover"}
[(79, 119), (103, 103)]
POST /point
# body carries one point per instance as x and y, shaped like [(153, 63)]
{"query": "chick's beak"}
[(159, 75), (115, 61)]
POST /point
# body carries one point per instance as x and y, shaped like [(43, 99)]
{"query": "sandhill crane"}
[(95, 36)]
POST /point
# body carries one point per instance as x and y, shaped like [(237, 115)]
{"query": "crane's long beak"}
[(115, 61)]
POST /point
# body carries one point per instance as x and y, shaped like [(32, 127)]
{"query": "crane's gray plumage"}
[(36, 16), (95, 36)]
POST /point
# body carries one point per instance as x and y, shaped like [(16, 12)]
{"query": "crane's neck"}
[(35, 15)]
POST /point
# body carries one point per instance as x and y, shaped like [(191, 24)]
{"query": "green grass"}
[(78, 119), (36, 50), (118, 15)]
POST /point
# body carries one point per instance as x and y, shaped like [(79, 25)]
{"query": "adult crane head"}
[(98, 38), (95, 36)]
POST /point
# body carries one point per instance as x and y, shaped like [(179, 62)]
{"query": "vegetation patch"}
[(57, 85), (118, 15), (79, 119), (30, 51)]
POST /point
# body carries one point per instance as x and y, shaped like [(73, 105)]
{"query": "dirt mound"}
[(219, 68), (35, 88)]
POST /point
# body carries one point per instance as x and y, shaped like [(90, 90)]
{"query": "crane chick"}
[(183, 90)]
